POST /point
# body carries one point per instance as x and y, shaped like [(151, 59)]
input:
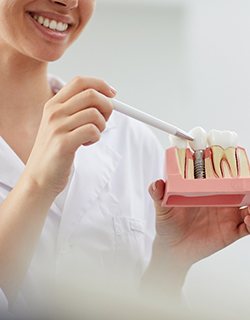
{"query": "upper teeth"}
[(225, 139), (51, 24)]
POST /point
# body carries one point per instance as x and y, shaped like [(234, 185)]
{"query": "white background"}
[(186, 62)]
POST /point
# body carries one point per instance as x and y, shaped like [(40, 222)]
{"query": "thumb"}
[(247, 220), (157, 190)]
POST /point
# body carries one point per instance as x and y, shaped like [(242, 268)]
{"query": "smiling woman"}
[(59, 29), (74, 176)]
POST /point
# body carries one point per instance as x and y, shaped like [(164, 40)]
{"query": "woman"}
[(74, 174)]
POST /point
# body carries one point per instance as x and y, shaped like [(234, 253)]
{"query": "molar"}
[(223, 145)]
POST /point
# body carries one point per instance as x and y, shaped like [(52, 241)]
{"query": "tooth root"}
[(217, 155), (243, 162), (231, 159), (225, 168), (209, 169), (189, 169), (181, 159)]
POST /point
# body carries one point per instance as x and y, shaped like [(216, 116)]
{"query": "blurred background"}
[(188, 63)]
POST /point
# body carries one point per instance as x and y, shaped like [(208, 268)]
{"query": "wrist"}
[(36, 189), (170, 258)]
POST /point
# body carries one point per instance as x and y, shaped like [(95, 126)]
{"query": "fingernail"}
[(154, 186), (113, 90)]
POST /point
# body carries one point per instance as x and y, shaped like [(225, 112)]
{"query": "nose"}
[(69, 4)]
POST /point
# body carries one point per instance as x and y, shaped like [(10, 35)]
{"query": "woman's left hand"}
[(191, 234)]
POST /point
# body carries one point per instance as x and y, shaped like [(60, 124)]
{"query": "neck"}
[(24, 89)]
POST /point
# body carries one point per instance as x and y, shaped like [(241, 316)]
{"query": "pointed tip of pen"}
[(184, 135)]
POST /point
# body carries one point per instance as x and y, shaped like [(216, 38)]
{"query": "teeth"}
[(200, 139), (243, 163), (223, 145), (51, 24), (225, 139), (181, 146)]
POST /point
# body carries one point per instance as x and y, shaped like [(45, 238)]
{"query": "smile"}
[(50, 24)]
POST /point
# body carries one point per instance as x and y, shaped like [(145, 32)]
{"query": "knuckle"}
[(110, 106), (53, 115), (103, 83), (98, 119), (48, 105), (95, 113), (78, 80), (93, 130), (91, 94)]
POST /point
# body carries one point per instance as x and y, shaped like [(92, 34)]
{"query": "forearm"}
[(165, 274), (22, 216)]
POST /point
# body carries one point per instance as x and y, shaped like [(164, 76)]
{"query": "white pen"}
[(150, 120)]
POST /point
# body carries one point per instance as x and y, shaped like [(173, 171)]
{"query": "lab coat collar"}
[(11, 166)]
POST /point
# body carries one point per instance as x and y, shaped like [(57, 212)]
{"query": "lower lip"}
[(51, 35)]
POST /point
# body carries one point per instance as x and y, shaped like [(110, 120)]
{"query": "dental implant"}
[(199, 145)]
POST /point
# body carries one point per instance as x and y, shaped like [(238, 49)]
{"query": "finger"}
[(157, 190), (79, 84), (243, 213), (84, 135), (247, 222), (88, 99), (86, 116)]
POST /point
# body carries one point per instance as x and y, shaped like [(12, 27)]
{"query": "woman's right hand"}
[(75, 116)]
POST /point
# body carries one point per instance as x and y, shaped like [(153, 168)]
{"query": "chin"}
[(48, 56)]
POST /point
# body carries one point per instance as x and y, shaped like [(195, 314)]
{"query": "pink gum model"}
[(220, 192)]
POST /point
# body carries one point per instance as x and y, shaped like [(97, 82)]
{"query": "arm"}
[(75, 116), (22, 217)]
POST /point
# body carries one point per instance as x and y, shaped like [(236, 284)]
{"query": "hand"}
[(191, 234), (247, 220), (75, 116)]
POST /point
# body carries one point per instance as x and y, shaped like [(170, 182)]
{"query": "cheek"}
[(86, 9)]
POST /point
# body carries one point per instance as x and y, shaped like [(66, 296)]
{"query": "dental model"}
[(211, 171)]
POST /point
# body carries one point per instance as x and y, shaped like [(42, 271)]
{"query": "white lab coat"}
[(104, 221), (3, 303)]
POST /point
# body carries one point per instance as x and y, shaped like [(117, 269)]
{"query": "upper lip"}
[(54, 16)]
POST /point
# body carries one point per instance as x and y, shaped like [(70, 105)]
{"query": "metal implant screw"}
[(199, 165)]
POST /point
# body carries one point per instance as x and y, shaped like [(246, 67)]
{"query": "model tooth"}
[(209, 168), (223, 144), (230, 154), (224, 139), (200, 139), (189, 165), (226, 172), (243, 163), (181, 146), (217, 156)]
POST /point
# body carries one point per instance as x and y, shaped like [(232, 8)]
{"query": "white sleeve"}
[(3, 302)]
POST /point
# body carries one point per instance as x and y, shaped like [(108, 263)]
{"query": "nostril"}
[(60, 3)]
